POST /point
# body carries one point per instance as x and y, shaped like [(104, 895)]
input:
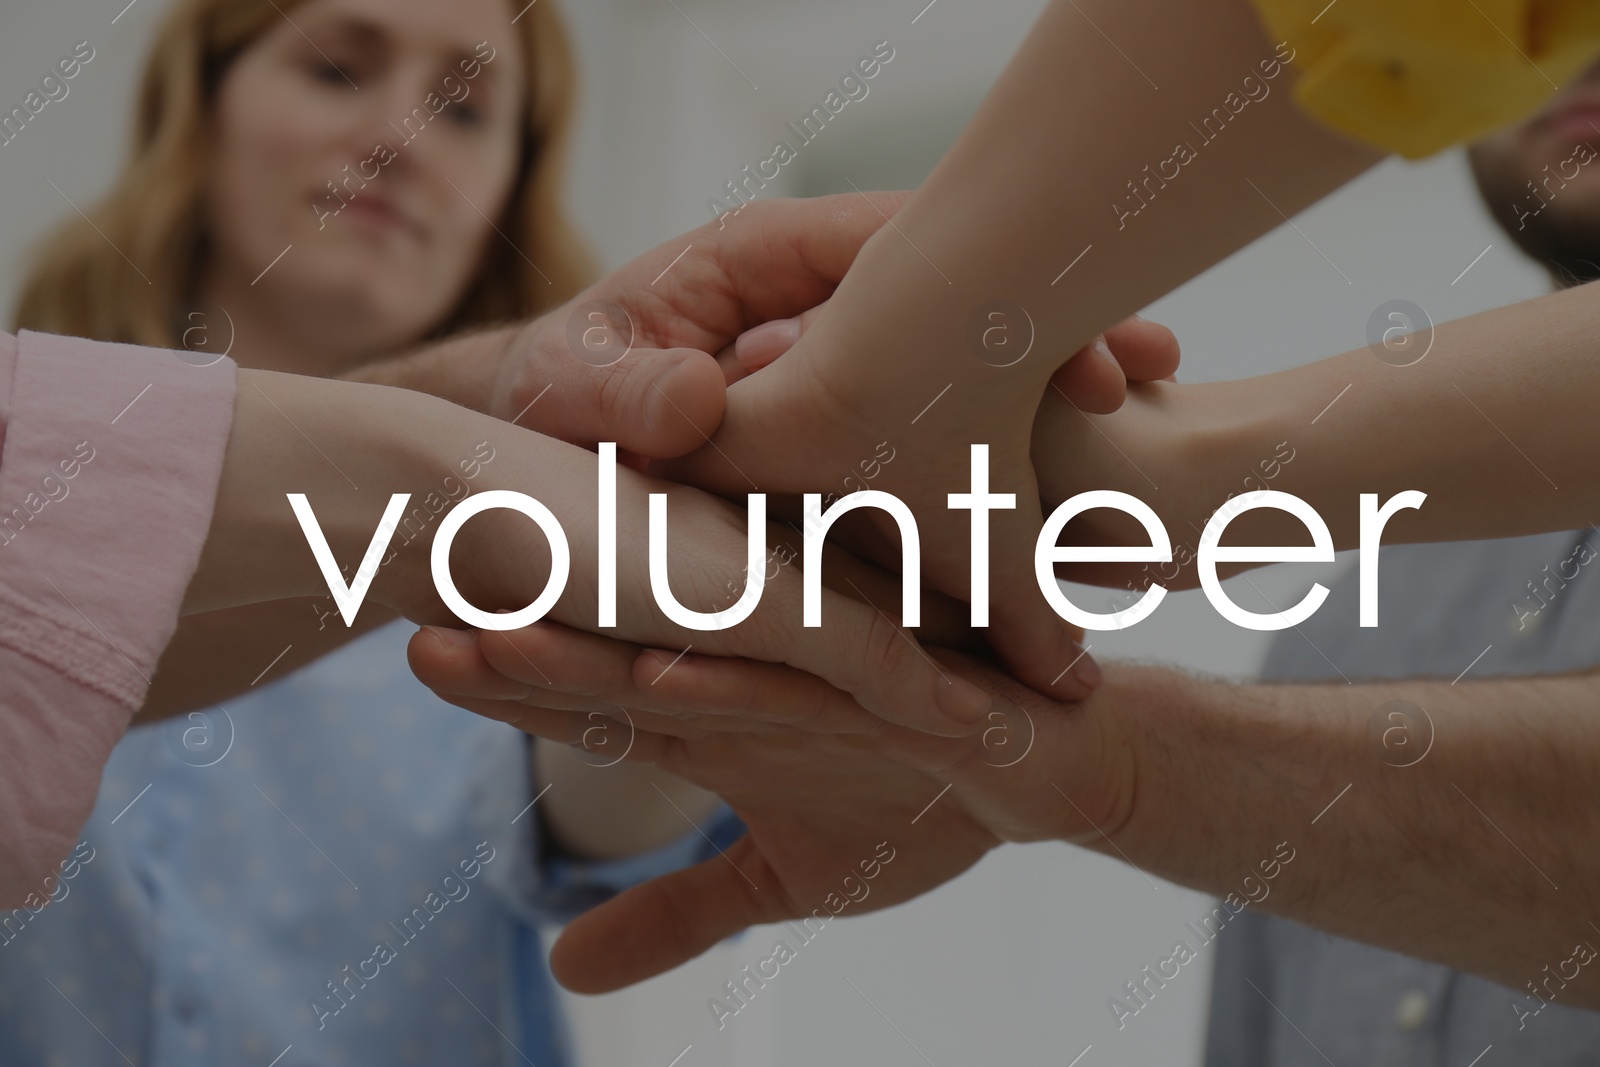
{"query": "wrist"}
[(1182, 449), (1226, 774), (465, 371), (346, 447)]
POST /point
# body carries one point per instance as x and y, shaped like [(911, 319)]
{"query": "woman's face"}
[(375, 139)]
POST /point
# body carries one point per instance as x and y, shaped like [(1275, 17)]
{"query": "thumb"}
[(670, 920), (658, 403)]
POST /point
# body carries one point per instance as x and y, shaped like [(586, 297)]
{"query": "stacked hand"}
[(853, 384), (818, 781), (826, 741), (629, 360)]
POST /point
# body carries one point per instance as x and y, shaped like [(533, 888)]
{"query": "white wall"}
[(1012, 963)]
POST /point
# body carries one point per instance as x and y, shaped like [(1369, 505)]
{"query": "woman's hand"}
[(501, 561)]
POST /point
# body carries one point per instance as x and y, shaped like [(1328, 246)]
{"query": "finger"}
[(783, 257), (750, 691), (452, 662), (653, 928), (1037, 646), (557, 658), (866, 652), (1147, 351), (756, 348), (728, 360), (554, 667), (1092, 380), (449, 661), (1134, 350), (659, 403), (945, 620)]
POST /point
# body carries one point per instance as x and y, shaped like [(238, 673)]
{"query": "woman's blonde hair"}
[(82, 286)]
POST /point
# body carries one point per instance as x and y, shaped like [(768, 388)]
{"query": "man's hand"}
[(824, 787), (703, 565), (630, 359)]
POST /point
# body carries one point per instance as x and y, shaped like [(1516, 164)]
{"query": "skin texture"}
[(662, 400), (392, 262), (1495, 443), (391, 441), (1493, 425), (1424, 857), (1198, 781), (989, 224)]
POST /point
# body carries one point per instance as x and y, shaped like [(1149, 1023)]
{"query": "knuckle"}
[(882, 653), (815, 715), (616, 393)]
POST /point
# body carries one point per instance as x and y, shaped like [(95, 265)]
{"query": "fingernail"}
[(960, 699), (757, 347), (1101, 347), (451, 638), (1088, 672)]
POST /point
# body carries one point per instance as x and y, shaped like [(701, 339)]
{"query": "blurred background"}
[(1014, 962)]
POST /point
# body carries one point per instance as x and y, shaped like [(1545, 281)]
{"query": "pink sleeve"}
[(109, 461)]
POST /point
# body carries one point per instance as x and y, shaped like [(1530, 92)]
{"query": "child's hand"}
[(792, 428), (1094, 380)]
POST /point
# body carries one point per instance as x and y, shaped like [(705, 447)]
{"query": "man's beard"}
[(1564, 238)]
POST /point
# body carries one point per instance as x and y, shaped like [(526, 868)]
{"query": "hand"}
[(821, 784), (1073, 452), (501, 561), (1094, 379), (1182, 449), (358, 446), (665, 396)]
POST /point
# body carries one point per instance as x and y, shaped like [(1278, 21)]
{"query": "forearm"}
[(1039, 176), (217, 655), (1488, 424), (598, 811), (347, 448), (1468, 843)]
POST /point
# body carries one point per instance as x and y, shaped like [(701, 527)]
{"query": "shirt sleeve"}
[(109, 462), (536, 881), (571, 886), (1418, 76)]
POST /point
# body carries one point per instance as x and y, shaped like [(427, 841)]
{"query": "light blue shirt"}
[(338, 868)]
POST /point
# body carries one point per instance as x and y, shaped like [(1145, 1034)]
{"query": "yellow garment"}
[(1418, 76)]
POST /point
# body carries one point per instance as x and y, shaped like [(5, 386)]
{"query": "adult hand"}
[(824, 787), (501, 561), (630, 359)]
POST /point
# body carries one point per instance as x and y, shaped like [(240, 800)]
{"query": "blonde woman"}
[(335, 867)]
